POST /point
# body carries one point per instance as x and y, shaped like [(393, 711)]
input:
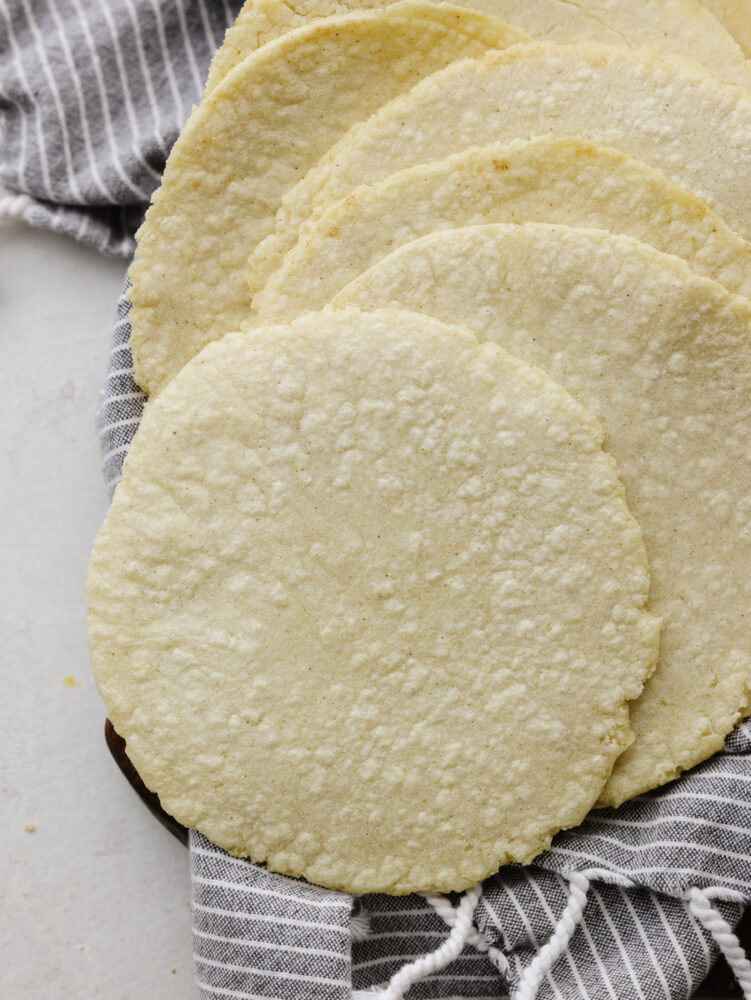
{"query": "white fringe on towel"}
[(447, 913), (463, 932), (699, 903), (14, 206), (428, 965)]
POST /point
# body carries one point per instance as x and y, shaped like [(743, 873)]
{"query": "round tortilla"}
[(681, 26), (369, 604), (249, 142), (664, 358), (563, 181), (664, 111)]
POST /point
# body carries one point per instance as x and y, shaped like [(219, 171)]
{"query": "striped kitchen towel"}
[(92, 95), (633, 904)]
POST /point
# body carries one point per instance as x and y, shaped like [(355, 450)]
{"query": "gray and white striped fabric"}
[(92, 94)]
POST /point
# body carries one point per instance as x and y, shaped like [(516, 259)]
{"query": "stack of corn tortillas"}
[(436, 531)]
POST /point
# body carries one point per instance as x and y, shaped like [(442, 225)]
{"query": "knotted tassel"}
[(447, 913), (14, 206), (428, 965), (712, 920), (548, 955)]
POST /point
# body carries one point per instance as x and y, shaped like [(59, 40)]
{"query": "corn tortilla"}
[(681, 26), (665, 111), (664, 358), (248, 143), (565, 181), (368, 604)]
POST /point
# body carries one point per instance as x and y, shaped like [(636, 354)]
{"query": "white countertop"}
[(96, 900)]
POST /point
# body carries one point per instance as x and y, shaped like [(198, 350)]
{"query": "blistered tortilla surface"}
[(681, 26), (665, 111), (249, 141), (369, 603), (664, 358), (549, 180)]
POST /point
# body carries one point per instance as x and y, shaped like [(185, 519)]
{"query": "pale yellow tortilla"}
[(552, 180), (680, 26), (735, 15), (249, 142), (368, 604), (664, 111), (664, 358)]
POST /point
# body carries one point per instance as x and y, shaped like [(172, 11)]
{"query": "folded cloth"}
[(632, 904), (92, 95)]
